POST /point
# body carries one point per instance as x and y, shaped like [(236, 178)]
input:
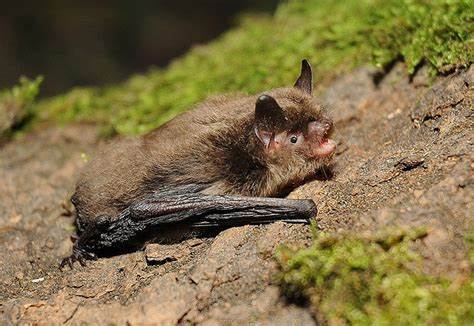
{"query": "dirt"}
[(405, 159)]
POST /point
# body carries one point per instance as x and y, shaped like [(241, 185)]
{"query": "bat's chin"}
[(323, 149)]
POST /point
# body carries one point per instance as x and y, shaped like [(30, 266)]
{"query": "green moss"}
[(264, 52), (357, 280), (469, 242), (438, 32), (16, 104)]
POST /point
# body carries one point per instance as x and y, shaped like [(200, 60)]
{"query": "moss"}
[(264, 52), (469, 242), (356, 280), (438, 32), (16, 104)]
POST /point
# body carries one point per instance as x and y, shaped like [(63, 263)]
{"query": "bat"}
[(225, 163)]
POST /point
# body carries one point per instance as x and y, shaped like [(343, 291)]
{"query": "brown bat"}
[(212, 167)]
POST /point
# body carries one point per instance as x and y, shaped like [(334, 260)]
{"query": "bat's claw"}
[(78, 255)]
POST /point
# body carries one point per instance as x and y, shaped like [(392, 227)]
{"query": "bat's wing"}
[(173, 211), (212, 210)]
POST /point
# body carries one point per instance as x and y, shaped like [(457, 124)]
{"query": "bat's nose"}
[(319, 128)]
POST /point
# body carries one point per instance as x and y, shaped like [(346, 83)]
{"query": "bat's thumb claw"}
[(309, 208)]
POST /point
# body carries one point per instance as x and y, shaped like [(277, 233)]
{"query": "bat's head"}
[(292, 128)]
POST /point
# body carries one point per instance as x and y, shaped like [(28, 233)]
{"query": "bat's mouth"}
[(321, 149), (324, 148), (318, 135)]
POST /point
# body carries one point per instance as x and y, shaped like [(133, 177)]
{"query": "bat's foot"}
[(78, 255)]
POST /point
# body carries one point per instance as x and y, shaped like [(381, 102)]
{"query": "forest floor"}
[(405, 159)]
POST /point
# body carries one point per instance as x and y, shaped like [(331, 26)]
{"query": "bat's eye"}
[(294, 139)]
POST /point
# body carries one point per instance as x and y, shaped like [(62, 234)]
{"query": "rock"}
[(391, 172), (159, 254)]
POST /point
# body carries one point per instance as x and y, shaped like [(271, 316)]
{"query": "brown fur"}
[(213, 146)]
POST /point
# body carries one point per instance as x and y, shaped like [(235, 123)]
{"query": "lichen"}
[(351, 279), (264, 51)]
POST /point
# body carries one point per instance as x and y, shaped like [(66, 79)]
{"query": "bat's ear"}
[(305, 80), (269, 117)]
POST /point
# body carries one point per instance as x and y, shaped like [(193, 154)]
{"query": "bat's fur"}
[(212, 147)]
